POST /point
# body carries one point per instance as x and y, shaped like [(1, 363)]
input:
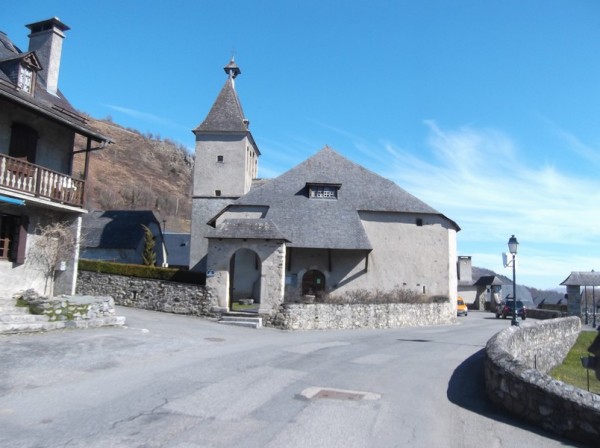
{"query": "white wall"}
[(29, 275), (231, 176), (411, 256)]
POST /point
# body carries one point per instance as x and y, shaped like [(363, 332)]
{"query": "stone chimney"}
[(46, 40), (465, 270)]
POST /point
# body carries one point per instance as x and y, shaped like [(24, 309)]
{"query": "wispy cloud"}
[(479, 178), (144, 116), (482, 179)]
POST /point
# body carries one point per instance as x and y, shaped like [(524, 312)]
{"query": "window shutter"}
[(21, 235)]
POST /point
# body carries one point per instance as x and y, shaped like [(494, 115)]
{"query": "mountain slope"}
[(139, 172)]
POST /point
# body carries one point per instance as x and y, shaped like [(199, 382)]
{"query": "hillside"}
[(139, 172)]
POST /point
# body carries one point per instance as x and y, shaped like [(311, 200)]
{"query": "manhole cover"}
[(337, 395), (415, 340), (324, 393)]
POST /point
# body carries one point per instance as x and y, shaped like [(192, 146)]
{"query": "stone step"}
[(250, 322), (29, 327), (22, 318), (13, 309)]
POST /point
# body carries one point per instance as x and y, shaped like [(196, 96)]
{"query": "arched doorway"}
[(244, 287), (313, 283)]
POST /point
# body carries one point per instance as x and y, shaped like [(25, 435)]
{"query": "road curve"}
[(183, 382)]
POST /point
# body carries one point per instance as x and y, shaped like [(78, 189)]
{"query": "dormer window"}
[(25, 79), (25, 82), (323, 191)]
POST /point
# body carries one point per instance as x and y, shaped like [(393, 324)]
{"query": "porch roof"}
[(579, 278), (247, 229)]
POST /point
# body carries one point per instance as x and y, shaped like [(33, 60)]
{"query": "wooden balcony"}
[(41, 182)]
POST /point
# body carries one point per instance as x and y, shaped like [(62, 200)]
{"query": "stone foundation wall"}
[(322, 316), (517, 360), (147, 294)]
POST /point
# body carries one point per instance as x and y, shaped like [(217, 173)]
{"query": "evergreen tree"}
[(149, 255)]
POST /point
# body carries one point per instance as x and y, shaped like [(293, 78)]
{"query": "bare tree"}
[(54, 243)]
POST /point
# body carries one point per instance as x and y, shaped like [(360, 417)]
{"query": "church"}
[(326, 226)]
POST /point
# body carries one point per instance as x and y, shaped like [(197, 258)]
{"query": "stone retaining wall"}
[(543, 314), (147, 294), (180, 298), (517, 360), (322, 316)]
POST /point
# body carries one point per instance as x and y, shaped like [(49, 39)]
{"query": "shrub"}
[(362, 296), (141, 271)]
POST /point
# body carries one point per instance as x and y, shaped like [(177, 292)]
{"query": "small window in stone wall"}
[(419, 222), (217, 192), (220, 159)]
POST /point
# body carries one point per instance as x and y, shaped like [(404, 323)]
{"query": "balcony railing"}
[(41, 182)]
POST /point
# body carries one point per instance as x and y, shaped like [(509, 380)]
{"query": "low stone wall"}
[(74, 307), (543, 314), (322, 316), (517, 360), (147, 294), (68, 311)]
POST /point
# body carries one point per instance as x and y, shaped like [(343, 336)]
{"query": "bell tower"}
[(226, 163)]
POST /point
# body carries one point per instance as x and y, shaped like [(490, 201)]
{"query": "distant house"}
[(481, 290), (489, 292), (178, 249), (118, 236), (38, 127), (465, 287), (326, 225)]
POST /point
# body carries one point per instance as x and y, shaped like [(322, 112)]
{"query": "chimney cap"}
[(47, 24)]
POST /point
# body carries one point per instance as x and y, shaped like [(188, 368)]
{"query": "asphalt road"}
[(178, 381)]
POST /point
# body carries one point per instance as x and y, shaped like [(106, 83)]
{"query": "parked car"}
[(505, 309), (461, 307)]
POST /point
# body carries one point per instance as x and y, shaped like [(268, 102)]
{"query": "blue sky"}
[(485, 110)]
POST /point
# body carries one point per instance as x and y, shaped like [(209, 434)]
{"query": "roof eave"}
[(37, 108)]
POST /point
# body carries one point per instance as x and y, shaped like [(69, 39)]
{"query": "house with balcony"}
[(38, 131)]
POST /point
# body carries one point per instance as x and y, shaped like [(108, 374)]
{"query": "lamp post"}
[(513, 244)]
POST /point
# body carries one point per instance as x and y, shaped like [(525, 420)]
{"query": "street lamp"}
[(513, 244)]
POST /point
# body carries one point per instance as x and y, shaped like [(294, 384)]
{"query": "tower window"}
[(217, 192), (220, 159)]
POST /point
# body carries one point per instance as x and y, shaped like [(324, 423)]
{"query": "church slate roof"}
[(54, 107), (330, 223), (226, 114)]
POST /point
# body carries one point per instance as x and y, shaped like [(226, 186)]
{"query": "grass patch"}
[(571, 371), (239, 307)]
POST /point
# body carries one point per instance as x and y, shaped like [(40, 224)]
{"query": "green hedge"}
[(141, 271)]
